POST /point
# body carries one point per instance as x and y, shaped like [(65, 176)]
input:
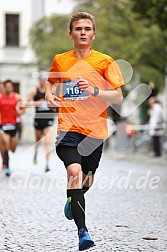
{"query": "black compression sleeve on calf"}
[(6, 159), (77, 206), (85, 189)]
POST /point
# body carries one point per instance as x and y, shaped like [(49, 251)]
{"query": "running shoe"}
[(85, 242), (67, 209), (8, 172), (47, 168)]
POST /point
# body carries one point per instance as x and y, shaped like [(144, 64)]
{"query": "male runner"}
[(10, 109), (89, 81), (43, 120)]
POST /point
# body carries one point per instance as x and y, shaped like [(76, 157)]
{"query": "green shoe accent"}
[(69, 199), (67, 209)]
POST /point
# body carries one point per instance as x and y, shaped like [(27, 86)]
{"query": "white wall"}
[(18, 63)]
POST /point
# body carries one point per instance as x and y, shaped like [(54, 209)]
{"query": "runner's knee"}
[(74, 170)]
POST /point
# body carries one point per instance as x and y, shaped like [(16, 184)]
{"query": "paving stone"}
[(118, 216)]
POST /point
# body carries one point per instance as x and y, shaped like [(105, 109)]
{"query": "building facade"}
[(17, 59)]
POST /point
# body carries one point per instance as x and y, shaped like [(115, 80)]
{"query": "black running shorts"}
[(70, 155), (41, 124), (9, 129)]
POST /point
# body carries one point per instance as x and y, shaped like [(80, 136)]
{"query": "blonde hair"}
[(82, 15)]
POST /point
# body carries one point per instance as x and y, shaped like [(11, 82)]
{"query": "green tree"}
[(49, 36), (155, 11), (122, 34)]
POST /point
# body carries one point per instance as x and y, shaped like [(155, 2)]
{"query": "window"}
[(16, 87), (12, 30)]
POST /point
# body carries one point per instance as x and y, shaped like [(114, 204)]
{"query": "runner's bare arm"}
[(113, 96), (29, 102), (53, 100), (21, 109)]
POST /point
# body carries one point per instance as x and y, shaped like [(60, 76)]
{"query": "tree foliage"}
[(155, 11), (120, 33), (49, 36)]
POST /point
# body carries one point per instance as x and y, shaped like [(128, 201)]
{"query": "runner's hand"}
[(84, 85), (53, 101)]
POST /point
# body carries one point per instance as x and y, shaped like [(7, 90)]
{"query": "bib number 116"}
[(72, 92)]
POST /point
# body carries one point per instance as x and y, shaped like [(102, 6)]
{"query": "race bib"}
[(71, 91), (9, 127)]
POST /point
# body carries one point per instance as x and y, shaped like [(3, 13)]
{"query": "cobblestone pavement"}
[(125, 209)]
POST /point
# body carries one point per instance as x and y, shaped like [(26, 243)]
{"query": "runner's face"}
[(8, 87), (42, 82), (82, 33)]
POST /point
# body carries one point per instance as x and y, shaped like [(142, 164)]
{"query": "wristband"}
[(96, 91)]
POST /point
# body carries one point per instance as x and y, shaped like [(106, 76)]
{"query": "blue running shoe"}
[(67, 209), (85, 242), (7, 172), (47, 168)]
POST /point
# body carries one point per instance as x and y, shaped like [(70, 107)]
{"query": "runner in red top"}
[(9, 111)]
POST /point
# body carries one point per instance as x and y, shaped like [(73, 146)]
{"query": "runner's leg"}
[(87, 181), (47, 142), (1, 151), (74, 191), (38, 136), (13, 143), (6, 146), (75, 205)]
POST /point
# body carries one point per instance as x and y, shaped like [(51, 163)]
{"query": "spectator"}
[(155, 122)]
